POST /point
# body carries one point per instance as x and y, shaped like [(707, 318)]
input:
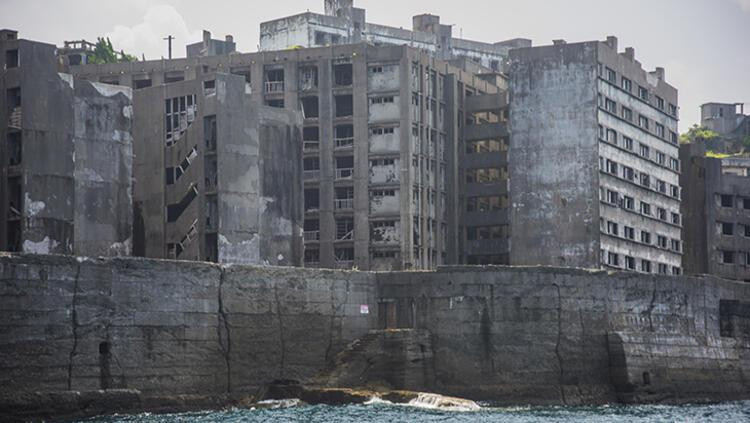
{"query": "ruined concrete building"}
[(218, 175), (594, 166), (727, 119), (66, 157), (211, 47), (716, 206), (382, 131), (343, 23)]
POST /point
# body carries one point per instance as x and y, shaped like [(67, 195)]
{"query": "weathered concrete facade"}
[(218, 176), (513, 335), (382, 131), (67, 157), (343, 23), (211, 47), (594, 168), (727, 119), (716, 207)]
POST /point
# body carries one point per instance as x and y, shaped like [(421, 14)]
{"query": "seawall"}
[(510, 335)]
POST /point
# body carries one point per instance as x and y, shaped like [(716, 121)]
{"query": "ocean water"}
[(389, 413)]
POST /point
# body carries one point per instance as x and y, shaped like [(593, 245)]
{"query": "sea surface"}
[(389, 413)]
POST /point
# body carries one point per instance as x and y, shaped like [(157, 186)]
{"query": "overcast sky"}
[(703, 44)]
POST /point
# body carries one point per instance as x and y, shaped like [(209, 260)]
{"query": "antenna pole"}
[(169, 42)]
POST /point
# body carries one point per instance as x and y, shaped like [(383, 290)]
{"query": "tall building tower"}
[(594, 163)]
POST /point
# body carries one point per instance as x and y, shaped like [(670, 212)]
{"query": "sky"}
[(703, 44)]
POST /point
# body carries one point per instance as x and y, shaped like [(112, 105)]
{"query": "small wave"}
[(284, 403), (439, 402)]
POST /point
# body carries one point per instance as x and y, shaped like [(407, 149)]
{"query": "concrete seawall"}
[(511, 335)]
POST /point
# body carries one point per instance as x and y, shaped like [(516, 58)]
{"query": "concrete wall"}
[(552, 157)]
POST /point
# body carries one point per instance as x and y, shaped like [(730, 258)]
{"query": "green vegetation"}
[(104, 53), (715, 155), (698, 133)]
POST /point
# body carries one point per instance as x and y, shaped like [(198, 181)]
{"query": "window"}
[(661, 214), (628, 173), (659, 130), (672, 110), (727, 228), (645, 151), (382, 100), (646, 237), (676, 245), (610, 106), (645, 266), (660, 102), (661, 186), (343, 74), (345, 229), (11, 58), (661, 158), (673, 138), (629, 232), (376, 69), (727, 257), (643, 93), (613, 229), (747, 231), (629, 263), (627, 84), (611, 76), (727, 201), (663, 269), (312, 199), (643, 122), (746, 203), (611, 167), (312, 256), (674, 164), (628, 203), (646, 208), (344, 105), (627, 114), (676, 271), (613, 259), (661, 241), (676, 218), (645, 180), (674, 191), (628, 143)]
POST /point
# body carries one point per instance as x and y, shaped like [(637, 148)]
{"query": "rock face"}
[(507, 335)]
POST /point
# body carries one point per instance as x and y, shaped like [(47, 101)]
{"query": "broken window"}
[(344, 229), (344, 105), (344, 255), (344, 198), (15, 149), (309, 106), (308, 78), (274, 81), (343, 74), (344, 136), (209, 87), (312, 199), (179, 114), (344, 167), (212, 213), (211, 172), (11, 58)]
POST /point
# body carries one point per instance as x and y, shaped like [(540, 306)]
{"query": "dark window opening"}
[(727, 229), (646, 378), (345, 229), (174, 211), (104, 348), (308, 78), (727, 201), (344, 254), (209, 132), (169, 174), (312, 225), (312, 256), (746, 203), (142, 83), (212, 248), (244, 72), (15, 198), (309, 106), (211, 173), (14, 97), (311, 163), (320, 38), (11, 58), (312, 199), (311, 133), (14, 236), (275, 103), (343, 74), (274, 81), (15, 149), (212, 213), (344, 105), (727, 257), (174, 77)]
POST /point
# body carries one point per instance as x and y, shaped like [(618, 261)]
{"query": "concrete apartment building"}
[(594, 168), (66, 157), (342, 23), (381, 137), (727, 119), (716, 206), (218, 176)]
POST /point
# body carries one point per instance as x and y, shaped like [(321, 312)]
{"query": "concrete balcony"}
[(344, 173), (485, 131), (344, 204), (344, 143), (310, 146), (486, 102)]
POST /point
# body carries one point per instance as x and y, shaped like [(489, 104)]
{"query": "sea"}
[(383, 412)]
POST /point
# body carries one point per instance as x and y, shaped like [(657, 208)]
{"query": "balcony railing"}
[(16, 118), (344, 264), (311, 145), (311, 175), (344, 143), (348, 236), (345, 173), (312, 236), (344, 203), (274, 86)]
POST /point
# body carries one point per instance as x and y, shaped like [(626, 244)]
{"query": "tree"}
[(698, 133), (104, 53)]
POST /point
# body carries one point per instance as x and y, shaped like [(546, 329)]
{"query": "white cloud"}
[(147, 37), (744, 4)]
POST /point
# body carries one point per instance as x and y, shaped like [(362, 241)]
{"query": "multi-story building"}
[(716, 206), (66, 157), (343, 23), (727, 119), (594, 166), (218, 176), (382, 130)]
